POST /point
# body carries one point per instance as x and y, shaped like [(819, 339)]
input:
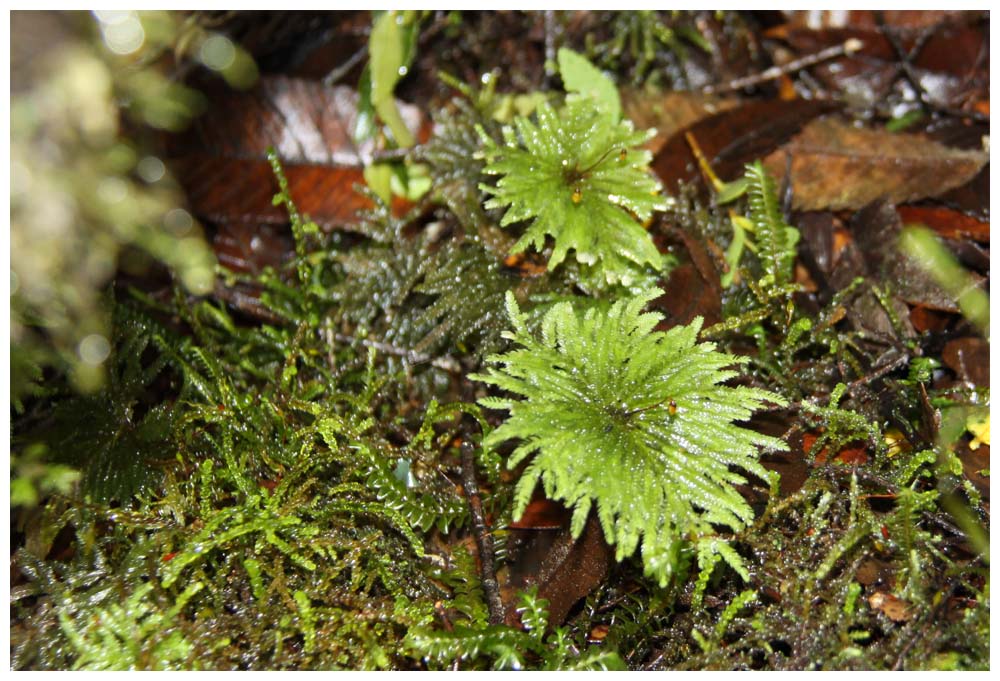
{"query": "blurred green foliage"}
[(87, 197)]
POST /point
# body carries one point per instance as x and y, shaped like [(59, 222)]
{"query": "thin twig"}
[(823, 400), (484, 540), (905, 58), (336, 74), (847, 48), (246, 303), (390, 155)]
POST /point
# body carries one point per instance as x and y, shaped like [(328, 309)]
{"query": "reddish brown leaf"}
[(969, 358), (973, 197), (810, 39), (670, 112), (856, 454), (946, 51), (961, 51), (948, 223), (876, 230), (566, 571), (925, 319), (974, 464), (867, 75), (790, 465), (893, 607), (732, 138), (791, 468), (688, 297), (542, 514), (303, 120), (222, 161), (693, 289), (232, 190), (946, 42), (836, 166)]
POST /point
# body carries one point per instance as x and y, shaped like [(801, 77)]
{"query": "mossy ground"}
[(279, 485)]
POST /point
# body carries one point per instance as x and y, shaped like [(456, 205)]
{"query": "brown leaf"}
[(791, 466), (222, 161), (924, 319), (239, 190), (564, 569), (865, 18), (855, 455), (969, 358), (693, 288), (948, 223), (893, 607), (733, 138), (836, 166), (249, 248), (946, 55), (542, 514), (876, 230), (974, 464), (670, 112), (305, 122), (866, 76), (971, 198)]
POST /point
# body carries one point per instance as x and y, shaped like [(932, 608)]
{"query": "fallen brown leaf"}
[(240, 190), (969, 358), (864, 18), (733, 138), (670, 112), (857, 454), (948, 223), (565, 569), (836, 166), (542, 514), (222, 160), (891, 606), (876, 229), (946, 53)]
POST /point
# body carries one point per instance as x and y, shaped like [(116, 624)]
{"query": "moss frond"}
[(633, 421), (579, 176)]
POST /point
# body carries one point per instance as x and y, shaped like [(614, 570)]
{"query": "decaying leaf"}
[(565, 568), (893, 607), (945, 54), (876, 230), (670, 112), (234, 190), (733, 138), (946, 222), (969, 358), (836, 166), (305, 122), (222, 161)]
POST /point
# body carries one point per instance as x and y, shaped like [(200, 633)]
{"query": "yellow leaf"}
[(979, 426)]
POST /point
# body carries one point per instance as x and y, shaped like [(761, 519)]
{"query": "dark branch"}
[(484, 540)]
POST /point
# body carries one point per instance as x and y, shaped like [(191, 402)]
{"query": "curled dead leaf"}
[(893, 607)]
